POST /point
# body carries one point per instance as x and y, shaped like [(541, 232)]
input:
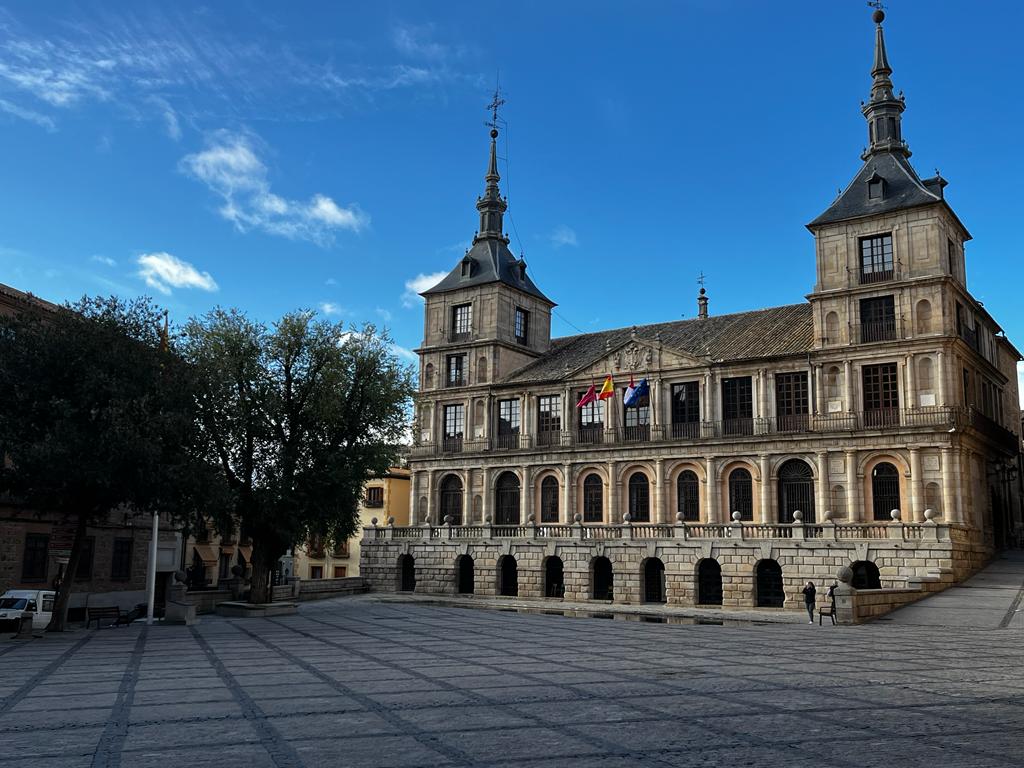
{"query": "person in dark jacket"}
[(809, 597)]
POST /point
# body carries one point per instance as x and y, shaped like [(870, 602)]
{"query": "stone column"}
[(654, 401), (705, 398), (855, 511), (819, 390), (766, 499), (566, 513), (613, 495), (526, 428), (485, 507), (567, 410), (430, 497), (916, 488), (526, 495), (949, 511), (714, 413), (659, 492), (940, 372), (848, 385), (911, 399), (822, 500), (711, 492)]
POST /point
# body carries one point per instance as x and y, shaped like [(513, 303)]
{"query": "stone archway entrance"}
[(407, 573), (709, 582), (464, 577), (654, 580), (865, 575), (508, 576), (601, 579), (554, 577), (768, 588)]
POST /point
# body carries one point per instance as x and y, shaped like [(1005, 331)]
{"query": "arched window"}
[(925, 377), (639, 498), (796, 491), (688, 496), (593, 501), (506, 492), (885, 490), (865, 575), (549, 500), (924, 316), (451, 499), (832, 383), (933, 498), (741, 494), (832, 328)]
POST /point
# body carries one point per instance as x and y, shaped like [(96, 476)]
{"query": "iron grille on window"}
[(881, 395), (688, 492), (462, 322), (33, 564), (451, 500), (741, 494), (522, 325), (738, 406), (456, 370), (549, 419), (686, 409), (885, 490), (591, 429), (593, 502), (549, 500), (375, 497), (876, 262), (454, 425), (639, 498), (507, 500), (792, 401), (877, 319), (508, 423), (121, 562)]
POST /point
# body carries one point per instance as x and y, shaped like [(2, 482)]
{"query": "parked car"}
[(39, 602)]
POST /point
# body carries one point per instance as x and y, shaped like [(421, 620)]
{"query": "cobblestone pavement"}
[(356, 682)]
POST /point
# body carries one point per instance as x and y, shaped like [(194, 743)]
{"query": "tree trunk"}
[(59, 617), (260, 588)]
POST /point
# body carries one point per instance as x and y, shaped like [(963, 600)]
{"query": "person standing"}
[(809, 597)]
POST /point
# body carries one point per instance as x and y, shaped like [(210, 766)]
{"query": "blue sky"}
[(272, 156)]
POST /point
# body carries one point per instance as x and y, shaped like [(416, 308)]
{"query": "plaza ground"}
[(368, 682)]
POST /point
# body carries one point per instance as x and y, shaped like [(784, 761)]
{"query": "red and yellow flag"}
[(607, 389)]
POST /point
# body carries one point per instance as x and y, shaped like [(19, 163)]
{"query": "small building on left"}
[(35, 546)]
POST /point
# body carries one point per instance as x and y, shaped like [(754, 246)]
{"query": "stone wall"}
[(900, 564)]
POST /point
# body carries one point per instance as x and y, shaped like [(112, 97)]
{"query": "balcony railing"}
[(640, 433), (456, 380), (507, 442), (744, 426), (590, 435), (548, 438), (878, 330), (1000, 435), (878, 276), (455, 336), (686, 430), (452, 444)]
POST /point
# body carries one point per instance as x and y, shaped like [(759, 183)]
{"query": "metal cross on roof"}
[(496, 102), (700, 279), (876, 4)]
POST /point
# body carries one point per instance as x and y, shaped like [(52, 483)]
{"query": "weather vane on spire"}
[(876, 4), (700, 279), (496, 102)]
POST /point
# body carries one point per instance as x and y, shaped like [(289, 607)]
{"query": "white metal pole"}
[(151, 571)]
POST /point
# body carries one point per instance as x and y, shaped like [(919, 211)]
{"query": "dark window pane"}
[(792, 401), (121, 561), (84, 571), (876, 260), (741, 494), (33, 564), (688, 492), (738, 406), (639, 498), (549, 500), (522, 325), (593, 502)]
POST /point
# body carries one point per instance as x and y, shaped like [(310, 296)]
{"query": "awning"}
[(207, 554)]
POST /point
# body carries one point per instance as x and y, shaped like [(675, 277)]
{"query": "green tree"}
[(298, 416), (96, 415)]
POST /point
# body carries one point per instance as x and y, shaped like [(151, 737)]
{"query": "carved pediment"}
[(638, 356)]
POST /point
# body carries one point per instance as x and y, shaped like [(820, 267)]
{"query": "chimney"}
[(702, 305)]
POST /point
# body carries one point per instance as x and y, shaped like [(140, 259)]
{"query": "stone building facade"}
[(876, 424)]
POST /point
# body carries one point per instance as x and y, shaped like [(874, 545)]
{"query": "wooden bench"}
[(101, 612), (830, 612)]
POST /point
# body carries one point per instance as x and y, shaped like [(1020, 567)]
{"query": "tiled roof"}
[(492, 262), (763, 333)]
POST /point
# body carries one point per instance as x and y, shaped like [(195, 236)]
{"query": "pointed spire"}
[(492, 205), (883, 109)]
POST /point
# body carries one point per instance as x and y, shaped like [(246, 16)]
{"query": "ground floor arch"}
[(865, 575), (508, 576), (653, 574), (464, 575), (406, 573), (709, 582), (769, 591), (554, 577), (601, 578)]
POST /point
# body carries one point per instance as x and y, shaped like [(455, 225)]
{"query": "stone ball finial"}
[(929, 514), (845, 574), (494, 131), (180, 577), (373, 521), (627, 518), (447, 519), (702, 292), (391, 519), (577, 518), (487, 519), (680, 517), (798, 516), (878, 16), (736, 516), (531, 518), (895, 515), (828, 515)]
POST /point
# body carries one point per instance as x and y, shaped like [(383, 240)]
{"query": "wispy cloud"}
[(405, 354), (417, 285), (170, 117), (105, 260), (30, 115), (164, 271), (418, 43), (384, 314), (231, 168), (563, 235), (330, 308)]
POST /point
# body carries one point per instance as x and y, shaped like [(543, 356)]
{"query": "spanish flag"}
[(607, 389)]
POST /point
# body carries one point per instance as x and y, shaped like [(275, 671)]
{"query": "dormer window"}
[(521, 269), (876, 187), (467, 268)]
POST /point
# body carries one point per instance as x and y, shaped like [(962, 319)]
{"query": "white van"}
[(38, 601)]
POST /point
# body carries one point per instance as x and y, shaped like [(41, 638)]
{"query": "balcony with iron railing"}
[(878, 330), (876, 276)]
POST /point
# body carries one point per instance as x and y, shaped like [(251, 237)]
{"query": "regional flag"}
[(607, 389), (635, 394), (589, 397)]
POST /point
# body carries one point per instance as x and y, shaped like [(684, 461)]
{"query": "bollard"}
[(25, 627)]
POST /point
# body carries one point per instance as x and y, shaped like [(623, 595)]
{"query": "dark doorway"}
[(796, 491), (407, 573), (865, 575), (768, 587), (554, 577), (464, 575), (885, 490), (508, 576), (709, 582), (601, 579), (654, 580), (506, 492)]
